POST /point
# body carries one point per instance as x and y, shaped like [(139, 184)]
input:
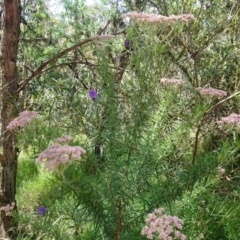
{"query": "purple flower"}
[(126, 43), (92, 93), (42, 210)]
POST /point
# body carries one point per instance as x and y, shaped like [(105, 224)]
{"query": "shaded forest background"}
[(149, 142)]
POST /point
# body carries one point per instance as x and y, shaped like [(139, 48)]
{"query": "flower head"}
[(232, 119), (191, 55), (126, 43), (42, 210), (59, 153), (92, 93), (23, 118), (213, 92), (156, 18), (172, 81), (166, 227), (221, 170), (63, 139)]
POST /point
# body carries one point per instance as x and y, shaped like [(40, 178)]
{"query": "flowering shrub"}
[(58, 153), (140, 135), (161, 226), (172, 81), (23, 118), (232, 119), (213, 92), (156, 18)]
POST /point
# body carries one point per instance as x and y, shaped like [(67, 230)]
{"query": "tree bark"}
[(9, 102)]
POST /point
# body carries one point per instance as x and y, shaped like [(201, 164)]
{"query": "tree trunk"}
[(9, 76)]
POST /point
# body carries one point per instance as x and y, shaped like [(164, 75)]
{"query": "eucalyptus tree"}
[(11, 14), (11, 98)]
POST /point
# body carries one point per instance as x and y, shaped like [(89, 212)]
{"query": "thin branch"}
[(221, 102), (184, 70), (28, 68), (201, 123), (33, 39), (102, 30), (154, 5), (118, 33), (196, 145), (87, 63), (207, 42), (68, 64), (39, 70)]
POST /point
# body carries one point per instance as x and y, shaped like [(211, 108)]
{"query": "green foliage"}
[(208, 213), (27, 169), (148, 144)]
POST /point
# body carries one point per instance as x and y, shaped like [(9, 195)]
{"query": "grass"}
[(205, 210)]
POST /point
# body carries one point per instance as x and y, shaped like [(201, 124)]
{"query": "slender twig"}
[(201, 123), (155, 5), (28, 68), (87, 63), (39, 70), (184, 70), (101, 30), (196, 144), (222, 101)]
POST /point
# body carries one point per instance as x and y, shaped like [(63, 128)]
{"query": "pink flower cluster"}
[(58, 153), (63, 139), (155, 18), (213, 92), (232, 119), (8, 208), (172, 81), (162, 226), (23, 118)]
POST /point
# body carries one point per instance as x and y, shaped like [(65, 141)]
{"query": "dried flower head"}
[(58, 153), (172, 81), (221, 170), (162, 226), (232, 119), (23, 118), (201, 236), (213, 92)]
